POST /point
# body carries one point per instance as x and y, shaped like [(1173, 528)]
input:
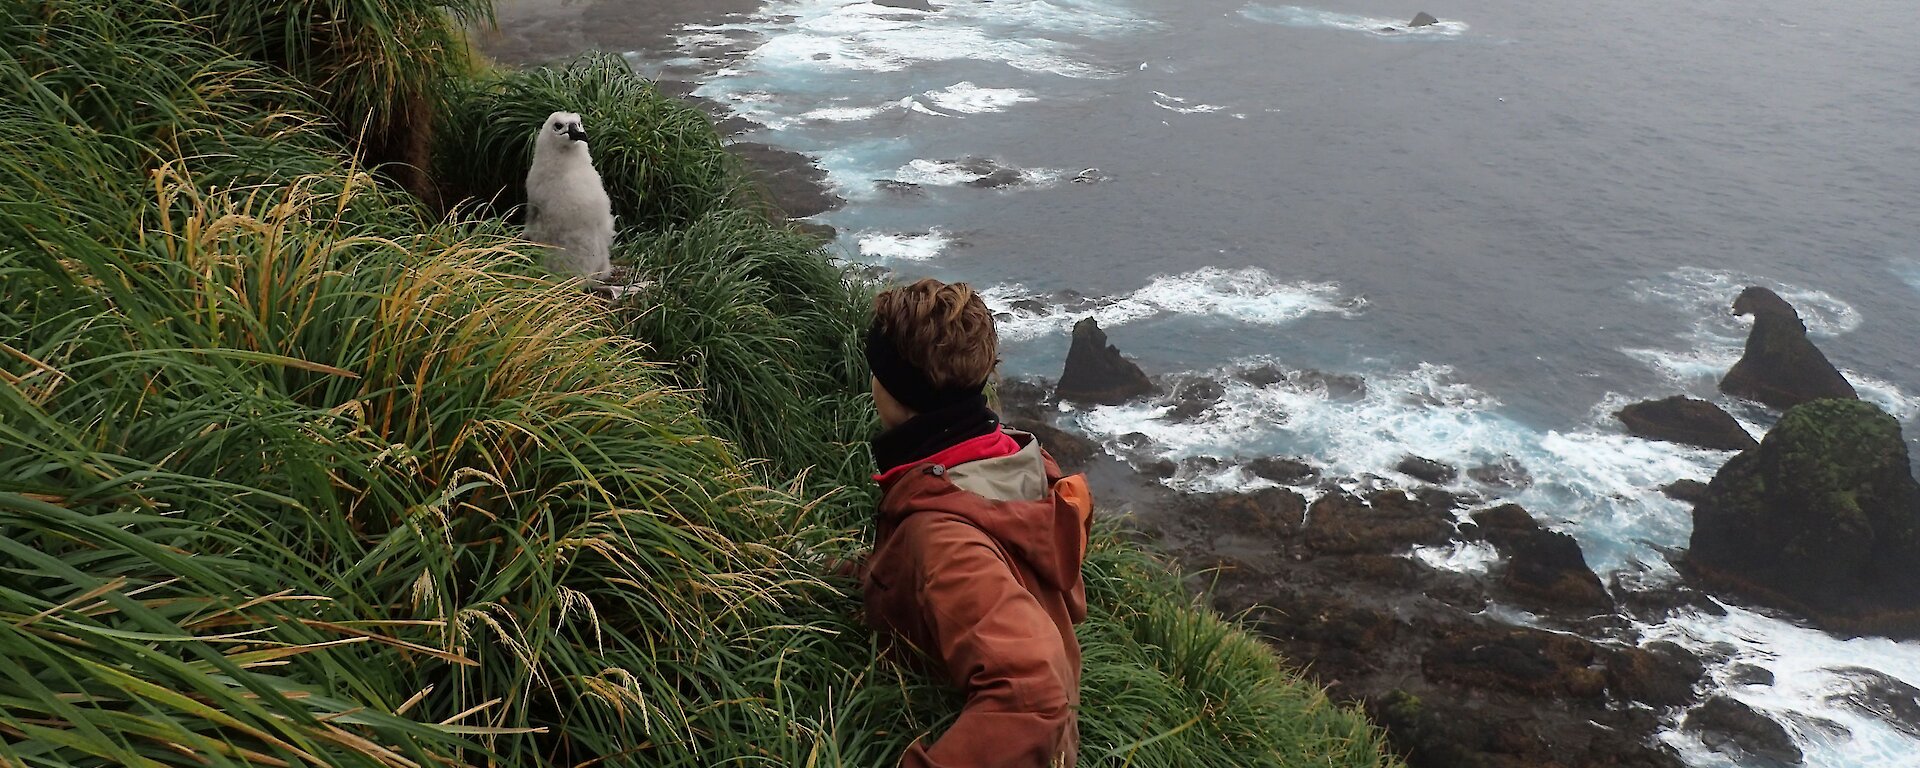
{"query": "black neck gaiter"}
[(934, 431)]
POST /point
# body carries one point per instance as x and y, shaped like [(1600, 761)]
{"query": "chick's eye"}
[(557, 127)]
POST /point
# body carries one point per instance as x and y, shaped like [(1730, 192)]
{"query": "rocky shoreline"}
[(1523, 657), (1329, 584)]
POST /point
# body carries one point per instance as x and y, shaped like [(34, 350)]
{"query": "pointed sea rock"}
[(1423, 19), (1781, 367), (1096, 372)]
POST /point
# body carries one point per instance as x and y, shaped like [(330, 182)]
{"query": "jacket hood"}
[(1019, 498)]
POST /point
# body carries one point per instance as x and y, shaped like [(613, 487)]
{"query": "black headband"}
[(907, 383)]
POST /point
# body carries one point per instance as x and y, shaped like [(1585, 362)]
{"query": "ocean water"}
[(1508, 225)]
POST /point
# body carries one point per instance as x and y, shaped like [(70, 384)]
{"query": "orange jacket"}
[(977, 565)]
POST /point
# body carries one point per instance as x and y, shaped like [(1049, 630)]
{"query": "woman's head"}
[(932, 344)]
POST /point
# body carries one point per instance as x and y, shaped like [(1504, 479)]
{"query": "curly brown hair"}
[(943, 329)]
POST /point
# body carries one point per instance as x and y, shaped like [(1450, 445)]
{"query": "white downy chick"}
[(567, 208)]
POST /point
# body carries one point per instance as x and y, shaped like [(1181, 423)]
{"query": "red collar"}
[(988, 446)]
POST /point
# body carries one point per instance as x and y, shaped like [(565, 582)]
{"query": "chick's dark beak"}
[(576, 134)]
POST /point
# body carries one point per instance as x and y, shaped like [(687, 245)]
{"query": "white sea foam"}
[(968, 99), (1884, 394), (1182, 106), (786, 45), (1248, 295), (1594, 482), (1462, 556), (885, 246), (1316, 18), (860, 36), (1708, 295), (1717, 337), (844, 114), (1690, 366), (953, 173), (1803, 662)]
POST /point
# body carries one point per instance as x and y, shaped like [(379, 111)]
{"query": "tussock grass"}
[(293, 474), (756, 319), (659, 158), (379, 69)]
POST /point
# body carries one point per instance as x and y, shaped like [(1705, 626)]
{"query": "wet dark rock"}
[(1003, 177), (1386, 522), (1653, 604), (1089, 176), (1881, 696), (1689, 491), (1194, 397), (1662, 674), (1781, 367), (1719, 651), (1438, 473), (1382, 569), (1520, 660), (1442, 503), (1096, 372), (1070, 451), (1024, 399), (1687, 421), (1748, 674), (898, 188), (792, 181), (1423, 19), (1544, 568), (1268, 513), (1337, 386), (1200, 465), (1730, 727), (1283, 471), (823, 232), (1311, 624), (1030, 306), (1262, 376), (1823, 520), (1075, 302), (1828, 729), (1507, 473), (911, 5)]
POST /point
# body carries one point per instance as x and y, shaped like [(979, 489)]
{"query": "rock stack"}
[(1781, 367), (1823, 520), (1096, 372)]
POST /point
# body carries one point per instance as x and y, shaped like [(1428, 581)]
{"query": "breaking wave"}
[(1249, 295)]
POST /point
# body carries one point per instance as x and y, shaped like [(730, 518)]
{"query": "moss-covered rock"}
[(1822, 519)]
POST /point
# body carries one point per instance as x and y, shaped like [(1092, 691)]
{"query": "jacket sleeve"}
[(1000, 647)]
